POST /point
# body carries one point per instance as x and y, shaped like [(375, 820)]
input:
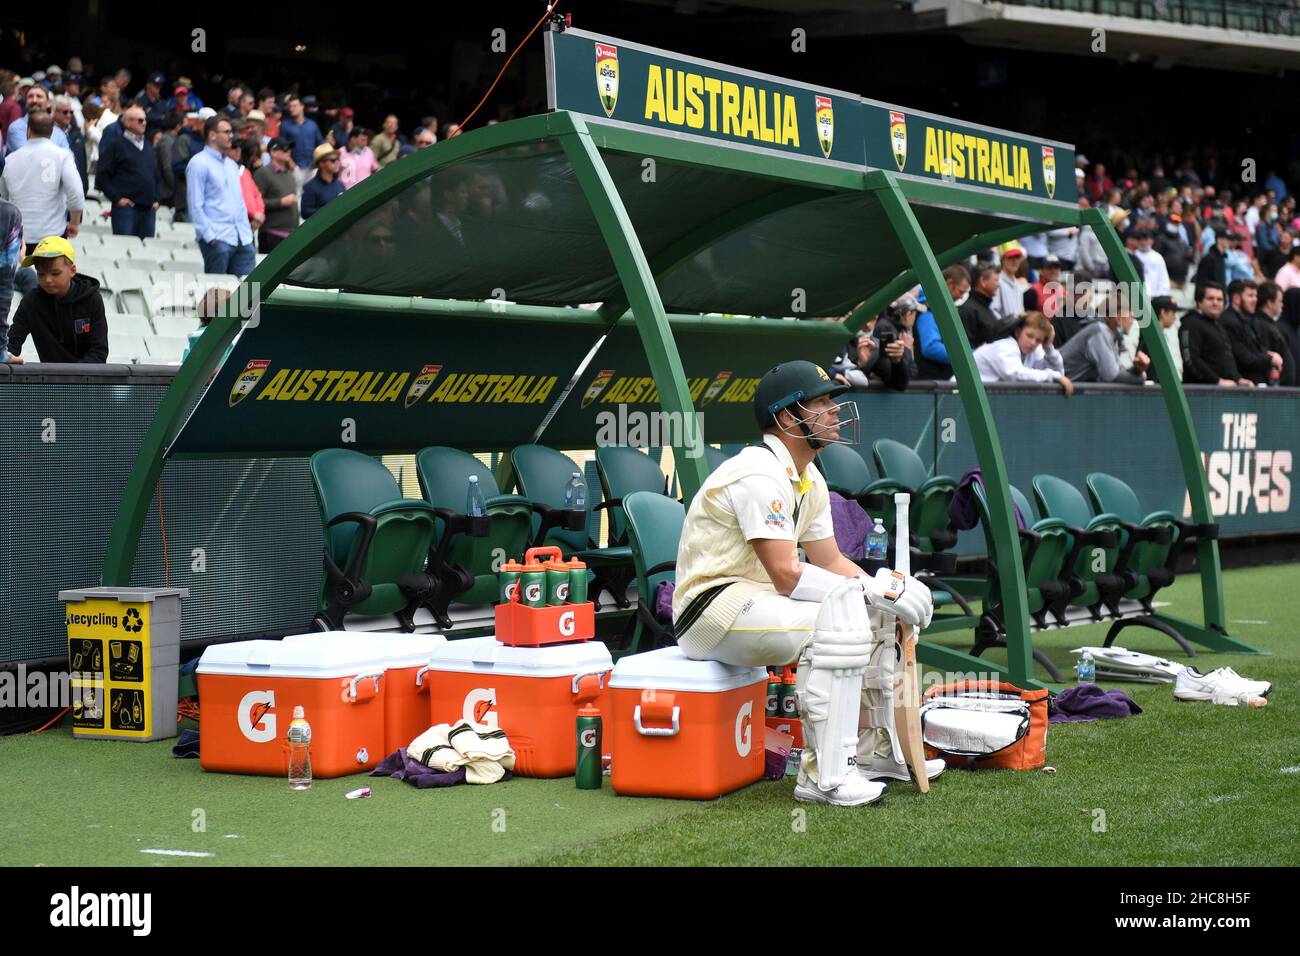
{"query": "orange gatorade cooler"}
[(406, 686), (531, 693), (249, 690), (684, 728)]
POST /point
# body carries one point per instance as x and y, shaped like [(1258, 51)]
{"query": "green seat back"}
[(896, 461), (444, 481), (654, 529), (1026, 510), (1108, 493), (846, 472), (1060, 499), (1048, 561), (348, 481), (542, 474), (622, 471), (714, 457)]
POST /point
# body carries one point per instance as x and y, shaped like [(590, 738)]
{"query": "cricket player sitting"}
[(744, 597)]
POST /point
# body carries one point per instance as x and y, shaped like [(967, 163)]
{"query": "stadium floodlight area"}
[(439, 299)]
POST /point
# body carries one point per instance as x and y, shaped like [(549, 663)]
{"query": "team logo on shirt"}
[(421, 384), (247, 380), (607, 76), (898, 138), (597, 386), (775, 514), (1049, 170), (825, 124), (715, 387)]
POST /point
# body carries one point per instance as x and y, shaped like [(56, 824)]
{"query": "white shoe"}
[(884, 768), (1227, 677), (855, 791), (1191, 684)]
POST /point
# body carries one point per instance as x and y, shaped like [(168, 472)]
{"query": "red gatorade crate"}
[(521, 625), (248, 692), (531, 693), (684, 728)]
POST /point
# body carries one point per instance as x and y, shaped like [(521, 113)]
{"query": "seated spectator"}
[(1166, 313), (1272, 335), (1009, 299), (1155, 273), (1093, 353), (325, 186), (1066, 322), (1288, 276), (1253, 359), (1207, 353), (881, 351), (1025, 356), (1213, 268), (209, 307), (977, 315), (1047, 295), (356, 162), (64, 315), (931, 354), (1238, 262), (1174, 246)]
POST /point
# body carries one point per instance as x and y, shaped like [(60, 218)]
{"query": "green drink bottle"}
[(589, 774), (508, 579), (773, 694)]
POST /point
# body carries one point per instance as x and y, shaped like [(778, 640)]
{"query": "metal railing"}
[(1274, 17)]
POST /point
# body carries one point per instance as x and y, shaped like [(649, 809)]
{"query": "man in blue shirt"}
[(216, 204), (37, 99), (932, 360), (302, 132)]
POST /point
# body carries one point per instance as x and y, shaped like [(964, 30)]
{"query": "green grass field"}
[(1184, 784)]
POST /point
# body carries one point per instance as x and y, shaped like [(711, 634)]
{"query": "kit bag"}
[(986, 724)]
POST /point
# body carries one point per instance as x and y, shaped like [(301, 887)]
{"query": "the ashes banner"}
[(614, 81)]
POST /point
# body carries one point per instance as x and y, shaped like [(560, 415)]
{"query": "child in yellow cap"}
[(64, 315)]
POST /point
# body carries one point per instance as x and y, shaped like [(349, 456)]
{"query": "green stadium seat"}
[(622, 471), (464, 565), (931, 497), (1092, 536), (542, 474), (376, 542), (654, 524)]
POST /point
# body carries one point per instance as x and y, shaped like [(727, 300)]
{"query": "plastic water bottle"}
[(575, 493), (299, 751), (1086, 669), (474, 506), (877, 542)]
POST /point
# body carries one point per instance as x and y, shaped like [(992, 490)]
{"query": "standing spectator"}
[(1207, 354), (977, 313), (1064, 244), (122, 80), (1254, 360), (184, 98), (166, 154), (325, 186), (37, 101), (387, 142), (10, 106), (248, 154), (1099, 184), (1174, 246), (64, 315), (1009, 301), (216, 204), (450, 129), (231, 109), (1238, 264), (150, 99), (41, 180), (279, 194), (429, 123), (1155, 274), (128, 177), (11, 253), (1026, 356), (109, 111), (1091, 255), (268, 107), (424, 139), (1035, 246), (1288, 276), (339, 132), (72, 90), (1047, 295), (1272, 335), (1275, 258), (65, 120), (357, 161), (303, 133), (932, 360), (189, 143), (1213, 266)]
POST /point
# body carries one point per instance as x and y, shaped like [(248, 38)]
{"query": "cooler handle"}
[(551, 549), (351, 696), (672, 731), (419, 675), (599, 675)]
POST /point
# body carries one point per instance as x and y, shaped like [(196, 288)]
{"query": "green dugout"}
[(521, 281)]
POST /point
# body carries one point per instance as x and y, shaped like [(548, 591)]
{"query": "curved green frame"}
[(581, 140)]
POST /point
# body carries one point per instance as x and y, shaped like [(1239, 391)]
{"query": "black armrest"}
[(872, 502), (569, 519), (453, 523), (660, 568), (1137, 533), (609, 503), (1034, 539), (1189, 530), (366, 528)]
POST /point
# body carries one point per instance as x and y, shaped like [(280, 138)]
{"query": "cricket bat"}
[(907, 695)]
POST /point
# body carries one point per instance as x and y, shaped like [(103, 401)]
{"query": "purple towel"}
[(401, 766), (963, 513), (664, 602), (1090, 702), (852, 525)]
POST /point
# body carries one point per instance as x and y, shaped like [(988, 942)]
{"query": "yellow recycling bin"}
[(124, 654)]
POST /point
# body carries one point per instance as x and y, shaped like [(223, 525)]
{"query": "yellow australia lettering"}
[(654, 94)]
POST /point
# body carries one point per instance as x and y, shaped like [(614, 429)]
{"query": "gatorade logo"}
[(587, 739), (744, 728), (255, 716), (568, 623), (562, 591), (533, 593), (511, 588), (788, 705), (480, 707)]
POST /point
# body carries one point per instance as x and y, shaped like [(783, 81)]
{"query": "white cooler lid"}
[(475, 655), (291, 659), (397, 650), (669, 669)]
